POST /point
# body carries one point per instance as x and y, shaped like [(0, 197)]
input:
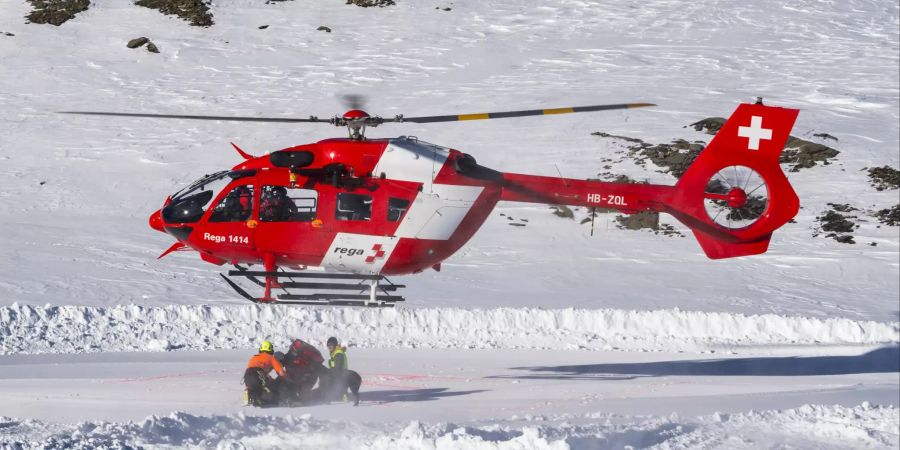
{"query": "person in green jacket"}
[(341, 378)]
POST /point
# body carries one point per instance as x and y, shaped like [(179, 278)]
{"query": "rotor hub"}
[(355, 114), (737, 198)]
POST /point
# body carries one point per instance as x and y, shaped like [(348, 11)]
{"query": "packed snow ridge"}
[(809, 426), (76, 329)]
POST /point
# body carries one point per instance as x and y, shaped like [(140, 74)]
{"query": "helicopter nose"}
[(156, 221)]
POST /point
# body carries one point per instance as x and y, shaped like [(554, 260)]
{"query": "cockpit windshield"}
[(189, 204), (202, 184)]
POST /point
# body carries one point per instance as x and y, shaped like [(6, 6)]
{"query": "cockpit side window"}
[(234, 207), (282, 204), (353, 207), (396, 208)]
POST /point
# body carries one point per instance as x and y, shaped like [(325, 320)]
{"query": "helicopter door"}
[(289, 222), (230, 223)]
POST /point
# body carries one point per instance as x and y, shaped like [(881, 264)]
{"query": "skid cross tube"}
[(309, 285)]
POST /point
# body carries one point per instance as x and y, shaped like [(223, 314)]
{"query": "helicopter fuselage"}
[(398, 206)]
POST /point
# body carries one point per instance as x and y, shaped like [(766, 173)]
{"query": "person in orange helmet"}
[(262, 390)]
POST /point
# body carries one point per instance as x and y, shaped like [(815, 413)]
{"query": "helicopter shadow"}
[(412, 395), (882, 360)]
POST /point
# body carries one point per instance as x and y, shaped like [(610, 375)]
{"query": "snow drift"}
[(806, 426), (74, 329)]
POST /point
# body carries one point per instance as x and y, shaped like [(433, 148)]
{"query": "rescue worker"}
[(262, 390), (303, 364), (235, 207), (276, 206), (340, 377)]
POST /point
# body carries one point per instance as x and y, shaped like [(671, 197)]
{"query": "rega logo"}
[(349, 251)]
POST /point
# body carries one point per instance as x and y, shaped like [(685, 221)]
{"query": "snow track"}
[(75, 329), (809, 425)]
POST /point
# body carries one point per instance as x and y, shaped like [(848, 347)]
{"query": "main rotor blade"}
[(179, 116), (354, 101), (529, 112)]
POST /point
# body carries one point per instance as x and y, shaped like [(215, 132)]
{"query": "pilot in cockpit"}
[(238, 204)]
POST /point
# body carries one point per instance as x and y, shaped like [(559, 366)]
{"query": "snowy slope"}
[(78, 272)]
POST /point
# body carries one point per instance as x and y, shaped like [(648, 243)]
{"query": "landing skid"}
[(316, 288)]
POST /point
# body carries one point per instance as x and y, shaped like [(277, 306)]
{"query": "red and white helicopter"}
[(365, 208)]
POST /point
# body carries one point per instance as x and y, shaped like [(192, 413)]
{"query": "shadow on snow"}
[(411, 395), (882, 360)]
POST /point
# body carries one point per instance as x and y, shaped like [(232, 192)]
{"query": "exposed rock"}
[(677, 156), (646, 220), (624, 138), (710, 125), (884, 178), (674, 157), (137, 42), (370, 3), (844, 208), (625, 179), (55, 12), (514, 224), (837, 224), (889, 216), (843, 239), (263, 27), (151, 47), (833, 221), (641, 220), (324, 28), (825, 136), (804, 154), (194, 11), (8, 34), (562, 211)]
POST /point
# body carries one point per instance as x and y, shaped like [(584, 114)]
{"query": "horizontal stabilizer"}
[(720, 249)]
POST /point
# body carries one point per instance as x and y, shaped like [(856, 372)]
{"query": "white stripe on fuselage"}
[(359, 253), (435, 213), (410, 160), (438, 209)]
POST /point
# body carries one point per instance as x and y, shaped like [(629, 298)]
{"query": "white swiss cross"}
[(755, 132)]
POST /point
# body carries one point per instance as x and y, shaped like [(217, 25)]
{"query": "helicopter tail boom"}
[(732, 197)]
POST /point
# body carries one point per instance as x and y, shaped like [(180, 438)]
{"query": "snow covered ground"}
[(587, 342), (447, 398)]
